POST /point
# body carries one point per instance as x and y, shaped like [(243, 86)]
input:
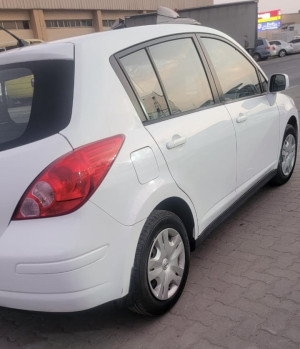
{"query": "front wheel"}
[(287, 158), (161, 264)]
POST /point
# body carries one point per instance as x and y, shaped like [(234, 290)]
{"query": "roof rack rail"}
[(163, 15)]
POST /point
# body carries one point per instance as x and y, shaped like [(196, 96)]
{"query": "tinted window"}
[(236, 74), (182, 75), (146, 84), (35, 101), (259, 43), (15, 103)]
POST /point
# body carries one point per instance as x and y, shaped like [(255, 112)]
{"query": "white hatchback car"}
[(283, 48), (119, 151)]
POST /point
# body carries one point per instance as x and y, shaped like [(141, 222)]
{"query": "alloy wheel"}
[(288, 154)]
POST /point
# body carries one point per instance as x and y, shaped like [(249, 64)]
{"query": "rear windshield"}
[(35, 100)]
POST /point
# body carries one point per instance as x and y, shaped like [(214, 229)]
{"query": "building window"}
[(69, 23), (11, 25), (108, 22)]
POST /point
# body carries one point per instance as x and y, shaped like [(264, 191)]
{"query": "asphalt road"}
[(243, 291), (289, 65)]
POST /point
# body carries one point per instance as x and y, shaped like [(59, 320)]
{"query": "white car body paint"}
[(83, 259)]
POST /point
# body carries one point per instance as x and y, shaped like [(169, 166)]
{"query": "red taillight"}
[(68, 182), (267, 47)]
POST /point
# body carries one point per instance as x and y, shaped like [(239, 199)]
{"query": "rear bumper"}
[(67, 263)]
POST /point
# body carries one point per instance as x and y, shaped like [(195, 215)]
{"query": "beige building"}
[(54, 19)]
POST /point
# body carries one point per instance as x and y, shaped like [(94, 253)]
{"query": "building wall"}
[(291, 18), (14, 18), (55, 19), (101, 4)]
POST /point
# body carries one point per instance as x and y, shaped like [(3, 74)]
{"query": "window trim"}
[(156, 72), (214, 74), (115, 61)]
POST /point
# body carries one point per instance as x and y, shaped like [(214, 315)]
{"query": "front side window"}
[(237, 76), (146, 85), (182, 75)]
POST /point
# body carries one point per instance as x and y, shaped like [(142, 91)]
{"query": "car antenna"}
[(20, 42)]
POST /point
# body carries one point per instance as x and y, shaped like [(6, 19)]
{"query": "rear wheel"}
[(161, 264), (287, 158), (256, 57), (282, 53)]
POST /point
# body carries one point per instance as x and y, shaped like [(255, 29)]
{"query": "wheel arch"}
[(179, 207), (293, 121)]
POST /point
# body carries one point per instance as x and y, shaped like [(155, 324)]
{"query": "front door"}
[(254, 113)]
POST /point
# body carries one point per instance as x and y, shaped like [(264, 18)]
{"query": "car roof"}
[(110, 42)]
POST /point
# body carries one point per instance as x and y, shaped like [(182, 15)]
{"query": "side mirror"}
[(278, 82)]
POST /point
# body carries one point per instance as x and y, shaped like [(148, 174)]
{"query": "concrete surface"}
[(243, 292)]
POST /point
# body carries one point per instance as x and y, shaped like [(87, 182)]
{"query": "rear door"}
[(182, 113)]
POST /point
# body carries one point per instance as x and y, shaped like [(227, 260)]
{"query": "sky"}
[(286, 6)]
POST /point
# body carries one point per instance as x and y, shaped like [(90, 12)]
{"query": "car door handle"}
[(241, 118), (175, 142)]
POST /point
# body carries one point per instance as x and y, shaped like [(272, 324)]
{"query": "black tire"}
[(148, 296), (287, 160), (282, 53), (256, 57)]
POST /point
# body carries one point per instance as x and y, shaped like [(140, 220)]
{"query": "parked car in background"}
[(13, 44), (283, 48), (132, 146), (262, 50), (296, 44), (272, 49)]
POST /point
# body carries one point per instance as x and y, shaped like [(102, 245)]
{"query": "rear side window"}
[(168, 78), (146, 84), (35, 100), (182, 75), (237, 76), (15, 103)]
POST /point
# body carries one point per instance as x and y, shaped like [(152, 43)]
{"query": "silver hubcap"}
[(288, 154), (166, 264)]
